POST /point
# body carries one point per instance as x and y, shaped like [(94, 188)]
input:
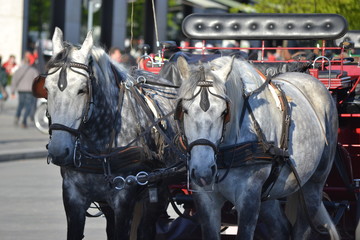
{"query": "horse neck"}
[(133, 119), (102, 122)]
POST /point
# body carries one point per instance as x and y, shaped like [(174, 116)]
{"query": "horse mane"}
[(103, 60), (242, 80)]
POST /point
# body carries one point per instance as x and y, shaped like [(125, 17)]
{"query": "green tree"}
[(350, 9), (39, 13)]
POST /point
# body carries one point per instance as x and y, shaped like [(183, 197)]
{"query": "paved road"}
[(16, 142), (31, 203)]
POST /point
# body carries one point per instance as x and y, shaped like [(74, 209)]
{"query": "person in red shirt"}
[(9, 65)]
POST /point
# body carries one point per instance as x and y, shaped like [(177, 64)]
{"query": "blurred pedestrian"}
[(115, 54), (10, 65), (3, 83), (22, 83), (124, 59), (128, 60)]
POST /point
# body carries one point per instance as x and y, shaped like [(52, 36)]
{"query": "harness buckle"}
[(153, 195), (129, 84)]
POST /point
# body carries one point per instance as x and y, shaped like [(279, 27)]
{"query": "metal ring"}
[(123, 182), (129, 84), (139, 81), (141, 174)]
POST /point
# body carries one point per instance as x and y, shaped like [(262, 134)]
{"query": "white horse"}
[(98, 131), (212, 91)]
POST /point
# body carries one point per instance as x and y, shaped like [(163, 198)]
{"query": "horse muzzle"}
[(202, 177), (60, 160), (61, 150)]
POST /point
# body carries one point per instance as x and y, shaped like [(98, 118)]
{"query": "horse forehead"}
[(216, 103), (73, 79), (76, 56)]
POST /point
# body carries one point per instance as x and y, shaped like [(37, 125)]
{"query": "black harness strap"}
[(150, 116), (280, 154), (57, 126), (139, 130), (242, 154)]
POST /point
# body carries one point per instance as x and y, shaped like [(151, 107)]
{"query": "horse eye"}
[(82, 91)]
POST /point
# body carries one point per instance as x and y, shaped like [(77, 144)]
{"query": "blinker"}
[(38, 89), (178, 115)]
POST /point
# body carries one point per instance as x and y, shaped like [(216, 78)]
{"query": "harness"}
[(106, 162), (247, 153), (83, 161), (261, 151)]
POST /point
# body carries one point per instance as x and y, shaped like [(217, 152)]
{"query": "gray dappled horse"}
[(91, 99), (231, 90)]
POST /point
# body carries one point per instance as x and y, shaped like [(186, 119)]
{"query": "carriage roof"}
[(263, 26)]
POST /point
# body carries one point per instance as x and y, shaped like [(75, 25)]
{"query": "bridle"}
[(179, 115), (87, 110)]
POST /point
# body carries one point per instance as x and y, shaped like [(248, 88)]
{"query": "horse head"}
[(203, 110), (68, 85)]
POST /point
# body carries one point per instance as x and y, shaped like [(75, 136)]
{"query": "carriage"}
[(340, 77)]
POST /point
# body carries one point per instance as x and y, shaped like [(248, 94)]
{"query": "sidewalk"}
[(18, 143)]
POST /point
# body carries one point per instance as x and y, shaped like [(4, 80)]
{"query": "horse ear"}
[(183, 67), (87, 44), (57, 41), (226, 69)]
